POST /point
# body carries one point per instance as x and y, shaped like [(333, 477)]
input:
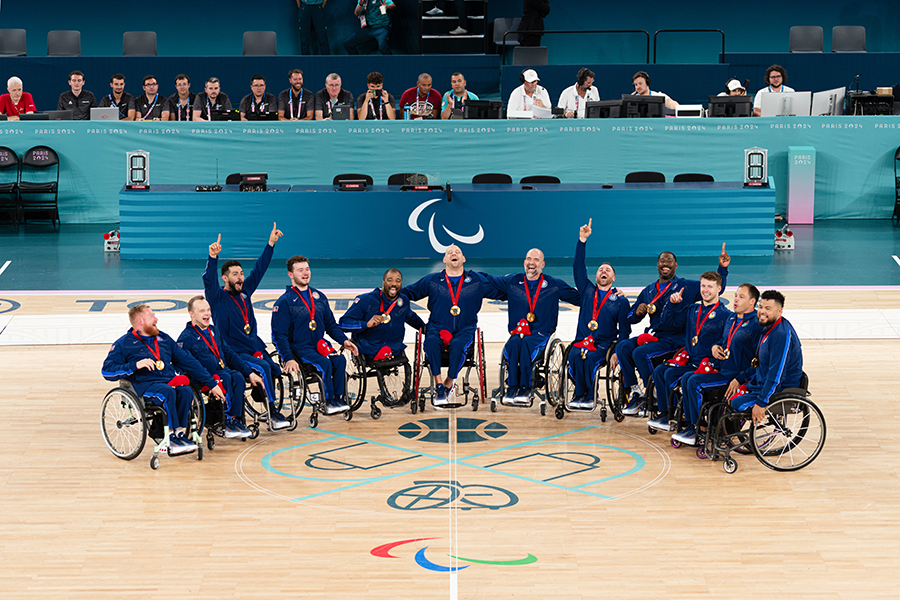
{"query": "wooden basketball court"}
[(448, 504)]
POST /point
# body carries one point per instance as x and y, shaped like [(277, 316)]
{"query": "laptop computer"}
[(340, 112), (266, 116), (59, 115), (34, 117), (109, 113), (225, 115)]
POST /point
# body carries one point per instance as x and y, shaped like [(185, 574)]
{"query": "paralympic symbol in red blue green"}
[(384, 551)]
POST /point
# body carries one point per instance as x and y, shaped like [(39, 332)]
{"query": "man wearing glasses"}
[(258, 101), (776, 77), (150, 106)]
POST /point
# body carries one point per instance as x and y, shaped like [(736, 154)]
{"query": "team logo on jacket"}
[(712, 315), (355, 300), (413, 223), (399, 301), (543, 285), (275, 308), (468, 279), (316, 295)]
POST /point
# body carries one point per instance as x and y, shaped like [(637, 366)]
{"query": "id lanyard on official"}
[(113, 103), (310, 307), (254, 107), (209, 107), (299, 102), (159, 363), (385, 314), (152, 106), (380, 109), (531, 305), (244, 313), (700, 323), (214, 348)]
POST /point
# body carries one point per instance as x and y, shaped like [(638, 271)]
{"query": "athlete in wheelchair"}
[(602, 320), (452, 338), (532, 360), (770, 415), (154, 396), (377, 322), (300, 319)]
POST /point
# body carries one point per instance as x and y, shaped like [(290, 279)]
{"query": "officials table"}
[(485, 220)]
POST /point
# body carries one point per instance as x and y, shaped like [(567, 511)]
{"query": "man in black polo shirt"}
[(181, 103), (330, 96), (296, 103), (79, 100), (212, 99), (151, 106), (119, 98), (376, 103), (258, 101)]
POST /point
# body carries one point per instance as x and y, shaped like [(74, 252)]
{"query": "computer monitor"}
[(482, 109), (634, 106), (264, 116), (59, 115), (603, 109), (225, 115), (828, 103), (730, 106), (786, 104), (34, 117)]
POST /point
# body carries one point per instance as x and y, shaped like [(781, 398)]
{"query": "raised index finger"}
[(723, 247), (219, 241), (590, 220), (275, 226)]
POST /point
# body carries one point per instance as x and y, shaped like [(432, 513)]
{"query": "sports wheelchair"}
[(308, 388), (394, 377), (474, 360), (791, 437), (126, 420), (650, 410), (546, 376), (608, 389), (256, 403)]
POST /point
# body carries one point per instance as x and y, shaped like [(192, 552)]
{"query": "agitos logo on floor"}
[(384, 551)]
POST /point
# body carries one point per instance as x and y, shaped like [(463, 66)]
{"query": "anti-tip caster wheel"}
[(730, 465), (559, 412), (543, 409), (701, 453), (375, 413), (348, 415), (619, 417), (154, 462), (493, 406), (210, 441), (675, 443), (413, 407), (199, 451), (651, 431), (314, 421)]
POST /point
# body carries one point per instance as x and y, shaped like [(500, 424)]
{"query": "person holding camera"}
[(376, 102)]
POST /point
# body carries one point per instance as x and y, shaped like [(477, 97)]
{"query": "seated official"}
[(78, 100), (258, 101), (300, 319), (376, 103), (641, 83), (603, 318), (731, 360), (779, 359), (330, 96), (574, 99), (377, 320), (211, 100), (424, 102), (16, 102), (524, 98), (181, 103), (457, 96), (151, 105), (119, 98), (213, 352), (296, 103), (776, 78), (704, 325), (154, 364), (733, 87)]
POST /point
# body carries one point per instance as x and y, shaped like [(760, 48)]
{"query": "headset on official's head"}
[(582, 75)]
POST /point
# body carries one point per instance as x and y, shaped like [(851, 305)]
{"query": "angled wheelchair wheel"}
[(502, 375), (554, 371), (354, 381), (123, 423), (792, 436), (394, 384), (482, 370), (615, 391), (198, 413)]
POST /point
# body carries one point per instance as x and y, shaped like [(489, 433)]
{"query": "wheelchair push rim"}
[(123, 424)]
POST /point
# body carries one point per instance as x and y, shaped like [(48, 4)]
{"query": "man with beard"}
[(666, 334), (300, 319), (779, 360), (454, 299), (119, 98), (213, 352), (211, 100), (296, 103), (603, 318), (153, 363), (232, 311)]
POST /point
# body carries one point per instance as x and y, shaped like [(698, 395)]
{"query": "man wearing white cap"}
[(734, 88), (527, 95)]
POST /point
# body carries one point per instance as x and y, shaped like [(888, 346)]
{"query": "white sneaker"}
[(459, 31), (434, 12)]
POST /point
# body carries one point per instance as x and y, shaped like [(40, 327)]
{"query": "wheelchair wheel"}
[(502, 374), (792, 436), (555, 371), (482, 370), (417, 399), (123, 424), (354, 382), (198, 413), (394, 384), (615, 391)]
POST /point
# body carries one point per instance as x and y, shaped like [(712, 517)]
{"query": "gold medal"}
[(651, 309), (727, 353), (694, 340), (530, 317), (312, 325), (160, 365), (593, 325), (247, 328), (385, 318), (454, 310), (221, 364), (754, 363)]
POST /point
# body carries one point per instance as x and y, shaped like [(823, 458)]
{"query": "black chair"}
[(35, 163), (9, 185), (352, 177), (259, 43), (66, 42), (233, 179), (645, 177), (848, 38), (530, 56), (501, 26), (408, 179), (492, 178), (12, 42), (806, 38), (692, 177), (139, 43), (540, 179)]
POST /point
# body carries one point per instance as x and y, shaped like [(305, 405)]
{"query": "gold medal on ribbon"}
[(651, 309), (593, 325), (160, 365), (754, 363), (454, 310), (312, 325), (221, 364), (530, 317), (727, 353), (385, 318), (247, 328), (694, 340)]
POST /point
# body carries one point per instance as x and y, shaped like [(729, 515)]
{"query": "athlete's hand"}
[(351, 347), (718, 353), (759, 414), (276, 233), (292, 367), (732, 388), (216, 391), (675, 298), (255, 380), (216, 247), (585, 231), (613, 362), (375, 321), (641, 310), (724, 258), (146, 363)]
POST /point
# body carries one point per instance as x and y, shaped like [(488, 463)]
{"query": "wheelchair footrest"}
[(518, 403)]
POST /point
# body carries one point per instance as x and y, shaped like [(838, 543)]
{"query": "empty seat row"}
[(24, 187), (844, 38)]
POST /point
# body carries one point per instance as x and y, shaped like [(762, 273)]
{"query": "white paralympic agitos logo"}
[(463, 239)]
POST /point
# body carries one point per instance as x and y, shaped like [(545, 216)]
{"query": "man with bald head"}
[(424, 102), (533, 301), (454, 299)]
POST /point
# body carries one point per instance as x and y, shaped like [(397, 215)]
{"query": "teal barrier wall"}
[(854, 166)]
